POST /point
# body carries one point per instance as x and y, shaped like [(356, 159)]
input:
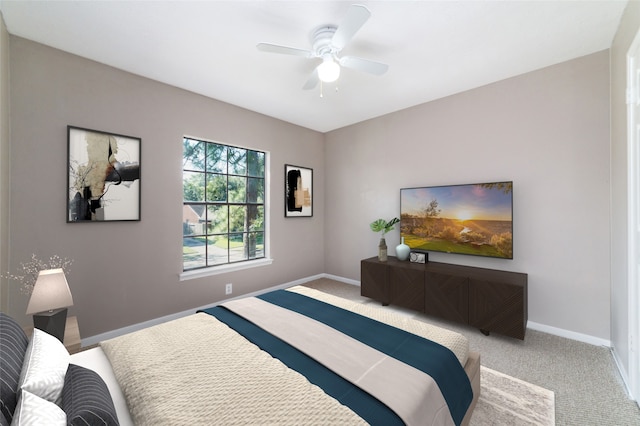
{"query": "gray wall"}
[(4, 160), (548, 131), (629, 26), (125, 273)]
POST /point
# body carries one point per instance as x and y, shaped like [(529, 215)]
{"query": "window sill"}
[(223, 269)]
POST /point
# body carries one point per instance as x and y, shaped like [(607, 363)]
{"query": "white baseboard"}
[(135, 327), (623, 374), (93, 340), (585, 338), (341, 279)]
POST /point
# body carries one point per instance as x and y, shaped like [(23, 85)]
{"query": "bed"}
[(295, 356)]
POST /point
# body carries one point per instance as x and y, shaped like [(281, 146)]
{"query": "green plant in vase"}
[(383, 226)]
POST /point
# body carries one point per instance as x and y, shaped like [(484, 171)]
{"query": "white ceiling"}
[(433, 48)]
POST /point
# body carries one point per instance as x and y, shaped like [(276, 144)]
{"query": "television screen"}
[(475, 219)]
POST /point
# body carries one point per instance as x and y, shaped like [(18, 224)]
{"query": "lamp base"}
[(52, 322)]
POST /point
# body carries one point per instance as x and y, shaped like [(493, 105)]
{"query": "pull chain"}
[(322, 89)]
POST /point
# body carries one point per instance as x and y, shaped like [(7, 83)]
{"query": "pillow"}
[(86, 398), (45, 365), (35, 411), (13, 346)]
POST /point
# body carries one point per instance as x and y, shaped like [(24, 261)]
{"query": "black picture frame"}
[(298, 191), (103, 176)]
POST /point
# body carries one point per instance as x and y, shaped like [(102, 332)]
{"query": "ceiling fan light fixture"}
[(328, 70), (328, 41)]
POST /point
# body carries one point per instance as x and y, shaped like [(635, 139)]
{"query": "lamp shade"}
[(51, 291), (328, 70)]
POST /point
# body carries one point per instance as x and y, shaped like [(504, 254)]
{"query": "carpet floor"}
[(505, 400), (587, 386)]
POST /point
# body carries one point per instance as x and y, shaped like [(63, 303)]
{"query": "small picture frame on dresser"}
[(417, 257)]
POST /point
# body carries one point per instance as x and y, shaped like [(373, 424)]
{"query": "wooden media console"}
[(487, 299)]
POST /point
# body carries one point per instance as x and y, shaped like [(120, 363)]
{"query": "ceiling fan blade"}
[(313, 80), (371, 67), (356, 16), (285, 50)]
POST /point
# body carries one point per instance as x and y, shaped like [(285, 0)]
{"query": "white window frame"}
[(248, 264)]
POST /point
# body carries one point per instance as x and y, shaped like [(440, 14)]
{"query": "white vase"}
[(402, 250)]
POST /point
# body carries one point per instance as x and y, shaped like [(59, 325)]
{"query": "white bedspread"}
[(197, 371)]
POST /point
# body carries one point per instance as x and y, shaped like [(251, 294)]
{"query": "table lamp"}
[(49, 301)]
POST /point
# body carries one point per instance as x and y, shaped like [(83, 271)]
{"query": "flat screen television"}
[(474, 219)]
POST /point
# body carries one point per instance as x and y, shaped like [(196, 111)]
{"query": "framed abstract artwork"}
[(103, 181), (298, 182)]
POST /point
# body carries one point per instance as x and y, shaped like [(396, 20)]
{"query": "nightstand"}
[(71, 335)]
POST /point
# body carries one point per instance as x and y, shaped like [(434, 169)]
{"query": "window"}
[(223, 213)]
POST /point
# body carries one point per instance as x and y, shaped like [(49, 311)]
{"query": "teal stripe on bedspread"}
[(430, 357), (366, 406)]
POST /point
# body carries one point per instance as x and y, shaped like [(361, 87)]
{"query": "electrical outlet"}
[(228, 289)]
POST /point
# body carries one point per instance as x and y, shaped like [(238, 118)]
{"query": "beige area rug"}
[(505, 400)]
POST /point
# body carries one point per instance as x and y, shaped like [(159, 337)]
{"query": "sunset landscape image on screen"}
[(471, 219)]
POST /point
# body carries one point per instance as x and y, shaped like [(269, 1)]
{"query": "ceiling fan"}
[(328, 41)]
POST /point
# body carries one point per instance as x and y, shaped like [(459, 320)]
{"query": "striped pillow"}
[(86, 398), (13, 346)]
